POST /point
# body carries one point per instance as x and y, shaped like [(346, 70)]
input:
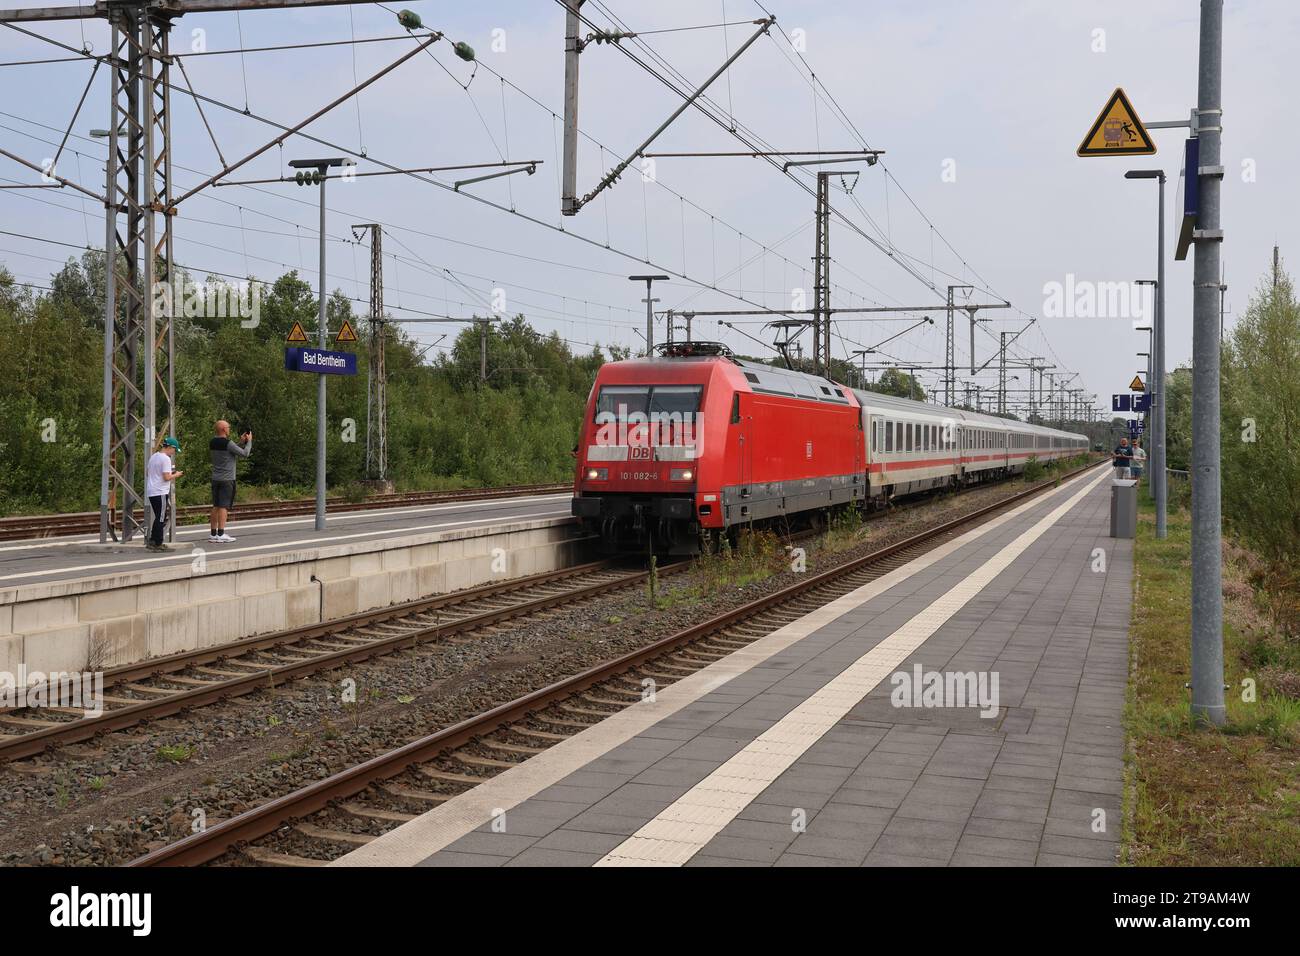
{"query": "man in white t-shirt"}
[(158, 478), (1139, 459)]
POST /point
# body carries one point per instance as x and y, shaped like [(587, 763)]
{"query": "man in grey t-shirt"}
[(224, 452)]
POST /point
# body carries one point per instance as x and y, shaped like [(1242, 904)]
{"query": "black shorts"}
[(223, 494)]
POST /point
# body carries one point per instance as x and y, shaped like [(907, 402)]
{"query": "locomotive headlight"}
[(680, 474), (597, 474)]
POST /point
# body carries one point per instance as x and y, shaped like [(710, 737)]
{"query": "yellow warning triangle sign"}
[(346, 334), (296, 334), (1117, 131), (1136, 385)]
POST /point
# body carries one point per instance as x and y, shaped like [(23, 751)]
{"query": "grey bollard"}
[(1123, 508)]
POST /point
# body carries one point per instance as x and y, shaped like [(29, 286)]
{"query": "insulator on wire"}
[(409, 19), (464, 51)]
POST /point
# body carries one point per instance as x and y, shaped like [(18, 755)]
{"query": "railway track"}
[(167, 685), (19, 527), (332, 816)]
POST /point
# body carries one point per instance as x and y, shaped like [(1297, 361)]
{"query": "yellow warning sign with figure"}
[(1136, 385), (346, 334), (296, 334), (1117, 131)]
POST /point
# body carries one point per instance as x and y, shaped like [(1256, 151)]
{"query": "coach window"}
[(898, 436), (907, 436), (889, 436), (735, 408)]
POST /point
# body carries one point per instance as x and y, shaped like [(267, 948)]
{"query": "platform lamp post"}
[(649, 301), (1156, 381), (314, 172)]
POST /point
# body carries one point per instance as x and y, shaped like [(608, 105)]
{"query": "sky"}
[(978, 107)]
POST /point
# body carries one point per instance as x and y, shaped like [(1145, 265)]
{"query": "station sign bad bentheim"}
[(321, 361)]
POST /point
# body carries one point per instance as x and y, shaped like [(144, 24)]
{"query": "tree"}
[(895, 382), (1261, 422)]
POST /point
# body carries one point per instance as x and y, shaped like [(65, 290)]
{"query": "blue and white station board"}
[(322, 361), (1130, 403)]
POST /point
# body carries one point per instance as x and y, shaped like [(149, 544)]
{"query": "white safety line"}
[(413, 842), (684, 828), (307, 544), (202, 531)]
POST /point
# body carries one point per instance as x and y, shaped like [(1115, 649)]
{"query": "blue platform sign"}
[(1120, 403), (320, 360), (1136, 426), (1191, 197), (1142, 403)]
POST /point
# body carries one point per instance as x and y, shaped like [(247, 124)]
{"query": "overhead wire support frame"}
[(570, 202)]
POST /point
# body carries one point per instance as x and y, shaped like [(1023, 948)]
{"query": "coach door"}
[(741, 427)]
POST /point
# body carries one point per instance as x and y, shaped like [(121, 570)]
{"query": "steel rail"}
[(37, 741)]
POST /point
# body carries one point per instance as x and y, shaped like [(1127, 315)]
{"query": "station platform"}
[(802, 749), (72, 604)]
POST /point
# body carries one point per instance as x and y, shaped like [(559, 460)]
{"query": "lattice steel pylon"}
[(377, 381), (822, 278), (139, 341), (949, 358), (1002, 374)]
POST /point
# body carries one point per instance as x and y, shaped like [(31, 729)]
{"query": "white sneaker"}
[(213, 538), (225, 539)]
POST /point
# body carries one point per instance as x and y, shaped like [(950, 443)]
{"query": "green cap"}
[(169, 440)]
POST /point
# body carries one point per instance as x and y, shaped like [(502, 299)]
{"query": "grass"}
[(1199, 796), (757, 556), (176, 753)]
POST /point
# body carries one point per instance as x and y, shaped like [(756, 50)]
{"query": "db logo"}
[(640, 453)]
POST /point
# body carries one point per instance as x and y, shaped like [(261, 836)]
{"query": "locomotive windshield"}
[(618, 402)]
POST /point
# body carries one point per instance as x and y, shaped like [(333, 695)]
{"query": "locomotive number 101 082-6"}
[(640, 476)]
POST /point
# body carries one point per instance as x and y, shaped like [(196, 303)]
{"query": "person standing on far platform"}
[(159, 474), (224, 452), (1139, 459), (1122, 456)]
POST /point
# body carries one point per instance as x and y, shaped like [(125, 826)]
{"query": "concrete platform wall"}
[(97, 623)]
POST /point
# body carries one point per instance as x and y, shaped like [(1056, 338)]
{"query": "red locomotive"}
[(683, 447)]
